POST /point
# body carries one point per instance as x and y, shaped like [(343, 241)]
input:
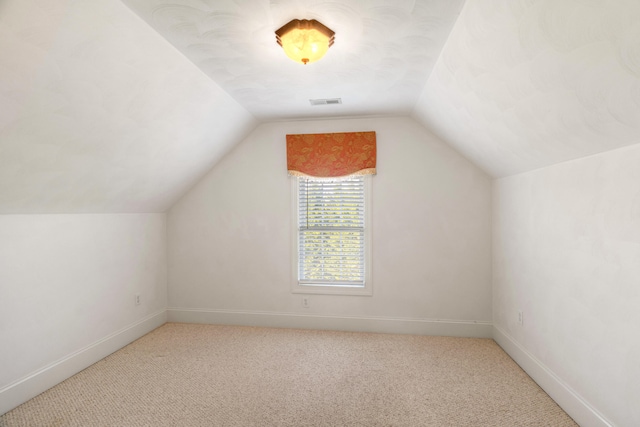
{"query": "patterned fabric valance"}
[(324, 155)]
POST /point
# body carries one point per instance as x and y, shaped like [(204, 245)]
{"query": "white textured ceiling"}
[(100, 113), (383, 54), (523, 84)]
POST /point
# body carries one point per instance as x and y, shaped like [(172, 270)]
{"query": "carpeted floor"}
[(205, 375)]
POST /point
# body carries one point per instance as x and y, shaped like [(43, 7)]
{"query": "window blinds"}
[(331, 231)]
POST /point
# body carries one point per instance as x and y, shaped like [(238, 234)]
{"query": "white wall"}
[(68, 282), (229, 237), (567, 253)]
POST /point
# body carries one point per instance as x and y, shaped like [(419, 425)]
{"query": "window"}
[(332, 236)]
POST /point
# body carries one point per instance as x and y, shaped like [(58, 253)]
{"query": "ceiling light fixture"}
[(305, 40)]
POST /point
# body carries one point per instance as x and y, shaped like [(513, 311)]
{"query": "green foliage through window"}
[(331, 225)]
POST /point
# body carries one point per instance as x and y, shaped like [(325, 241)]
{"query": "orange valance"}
[(332, 154)]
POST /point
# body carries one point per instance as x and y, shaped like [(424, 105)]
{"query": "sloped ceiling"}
[(524, 84), (98, 113), (110, 106), (383, 54)]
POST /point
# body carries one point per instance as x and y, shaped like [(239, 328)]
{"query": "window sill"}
[(332, 290)]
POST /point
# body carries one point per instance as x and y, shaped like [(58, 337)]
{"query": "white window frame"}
[(296, 287)]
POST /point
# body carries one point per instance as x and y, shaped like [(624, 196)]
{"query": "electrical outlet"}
[(520, 318), (137, 299), (305, 302)]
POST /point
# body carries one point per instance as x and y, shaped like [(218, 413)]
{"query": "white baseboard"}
[(573, 404), (454, 328), (26, 388)]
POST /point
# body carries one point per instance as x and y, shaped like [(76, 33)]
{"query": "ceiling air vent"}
[(327, 101)]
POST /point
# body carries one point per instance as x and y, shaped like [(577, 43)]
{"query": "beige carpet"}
[(204, 375)]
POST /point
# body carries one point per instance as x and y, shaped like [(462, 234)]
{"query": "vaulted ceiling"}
[(101, 114), (524, 84), (383, 53), (120, 106)]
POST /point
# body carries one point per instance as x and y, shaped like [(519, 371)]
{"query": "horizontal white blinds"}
[(331, 231)]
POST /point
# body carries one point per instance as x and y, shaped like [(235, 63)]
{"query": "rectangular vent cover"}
[(326, 101)]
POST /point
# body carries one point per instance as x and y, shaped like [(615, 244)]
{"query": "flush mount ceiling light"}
[(304, 40)]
